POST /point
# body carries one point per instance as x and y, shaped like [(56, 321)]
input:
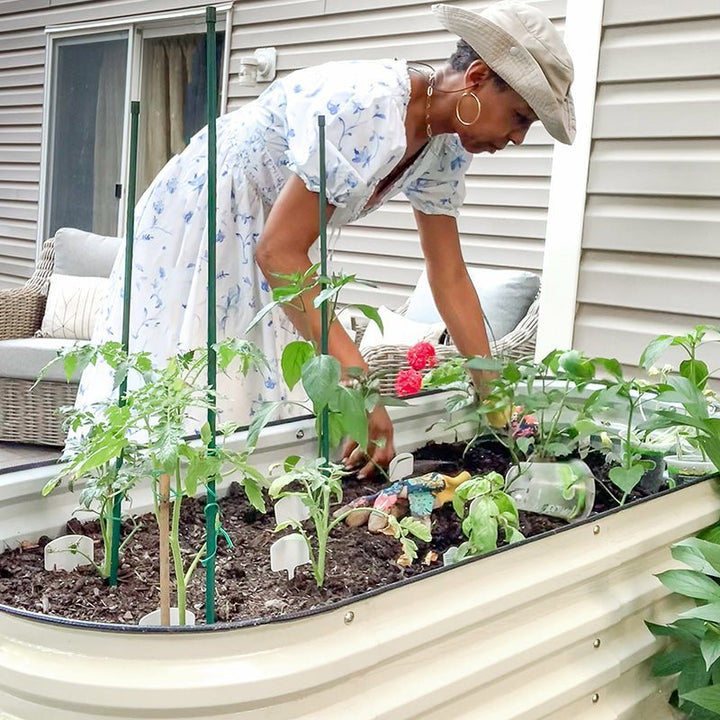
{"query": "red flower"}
[(408, 382), (421, 355)]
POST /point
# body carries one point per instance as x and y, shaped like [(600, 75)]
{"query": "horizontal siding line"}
[(639, 193)]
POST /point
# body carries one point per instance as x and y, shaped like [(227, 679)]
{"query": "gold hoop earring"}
[(477, 113)]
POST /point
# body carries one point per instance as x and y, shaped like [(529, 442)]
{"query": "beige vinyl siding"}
[(503, 221), (22, 77), (651, 242)]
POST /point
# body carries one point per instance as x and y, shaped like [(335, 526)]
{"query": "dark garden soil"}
[(246, 588)]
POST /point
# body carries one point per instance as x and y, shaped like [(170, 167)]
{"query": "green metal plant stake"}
[(211, 508), (125, 339), (324, 330)]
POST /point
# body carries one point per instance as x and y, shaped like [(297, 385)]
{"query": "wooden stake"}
[(164, 527)]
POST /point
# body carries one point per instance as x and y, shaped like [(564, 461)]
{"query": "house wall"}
[(650, 260), (22, 76), (503, 221)]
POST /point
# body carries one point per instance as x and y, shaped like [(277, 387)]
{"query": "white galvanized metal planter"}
[(550, 629)]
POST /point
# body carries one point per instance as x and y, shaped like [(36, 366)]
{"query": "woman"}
[(390, 128)]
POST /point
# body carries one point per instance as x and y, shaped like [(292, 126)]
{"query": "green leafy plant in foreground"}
[(485, 510), (694, 651), (319, 485), (112, 446)]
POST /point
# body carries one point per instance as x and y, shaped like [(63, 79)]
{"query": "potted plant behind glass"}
[(688, 389)]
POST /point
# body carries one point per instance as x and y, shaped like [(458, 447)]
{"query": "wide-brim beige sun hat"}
[(523, 47)]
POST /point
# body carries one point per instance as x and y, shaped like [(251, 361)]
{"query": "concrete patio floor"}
[(15, 454)]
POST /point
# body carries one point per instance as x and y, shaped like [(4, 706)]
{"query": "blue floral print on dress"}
[(259, 147)]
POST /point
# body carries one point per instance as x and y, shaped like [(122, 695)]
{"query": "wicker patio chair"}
[(385, 361), (30, 416)]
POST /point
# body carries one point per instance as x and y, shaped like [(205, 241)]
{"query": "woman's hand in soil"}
[(419, 495), (381, 449)]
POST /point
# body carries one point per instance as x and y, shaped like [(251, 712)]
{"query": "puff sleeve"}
[(364, 132)]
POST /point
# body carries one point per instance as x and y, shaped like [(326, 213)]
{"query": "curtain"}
[(167, 71), (110, 113)]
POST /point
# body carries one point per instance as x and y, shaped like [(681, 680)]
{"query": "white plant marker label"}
[(289, 552), (449, 555), (401, 467), (291, 508), (68, 552), (153, 618)]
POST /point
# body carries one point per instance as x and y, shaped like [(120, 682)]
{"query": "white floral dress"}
[(258, 147)]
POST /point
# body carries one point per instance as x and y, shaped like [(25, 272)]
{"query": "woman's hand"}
[(381, 449)]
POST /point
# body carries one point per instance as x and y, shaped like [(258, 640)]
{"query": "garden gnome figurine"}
[(420, 495)]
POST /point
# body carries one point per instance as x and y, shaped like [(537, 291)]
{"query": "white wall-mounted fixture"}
[(258, 67)]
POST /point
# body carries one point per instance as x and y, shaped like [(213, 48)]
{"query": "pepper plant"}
[(348, 400), (318, 484)]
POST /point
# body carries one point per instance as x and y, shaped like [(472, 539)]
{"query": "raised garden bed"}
[(560, 616)]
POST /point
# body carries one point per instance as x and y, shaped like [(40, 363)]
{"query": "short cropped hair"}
[(464, 56)]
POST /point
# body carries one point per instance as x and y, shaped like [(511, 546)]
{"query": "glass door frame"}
[(152, 25)]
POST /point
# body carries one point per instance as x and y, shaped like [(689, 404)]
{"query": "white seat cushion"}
[(399, 330), (505, 296), (24, 358)]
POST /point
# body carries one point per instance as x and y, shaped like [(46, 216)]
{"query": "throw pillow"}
[(505, 296), (79, 252), (72, 304), (399, 330)]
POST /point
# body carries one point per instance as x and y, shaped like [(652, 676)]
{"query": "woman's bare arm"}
[(290, 230)]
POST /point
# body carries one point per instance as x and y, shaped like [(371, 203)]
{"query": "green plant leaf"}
[(680, 632), (485, 363), (261, 314), (370, 313), (577, 365), (351, 406), (416, 527), (710, 648), (294, 357), (654, 350), (260, 420), (699, 554), (626, 478), (611, 365), (254, 494), (671, 662), (696, 371), (50, 485), (321, 377), (691, 584), (705, 697), (710, 534), (709, 612), (692, 677)]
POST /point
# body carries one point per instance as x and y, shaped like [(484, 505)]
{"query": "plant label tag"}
[(68, 552), (289, 552), (401, 466), (450, 555), (291, 508), (153, 618)]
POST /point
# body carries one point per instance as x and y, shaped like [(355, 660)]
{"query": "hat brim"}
[(515, 65)]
